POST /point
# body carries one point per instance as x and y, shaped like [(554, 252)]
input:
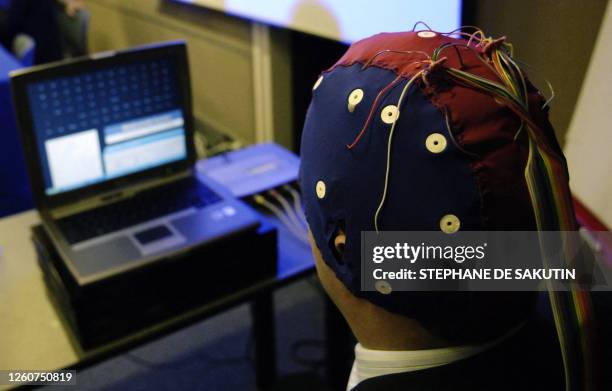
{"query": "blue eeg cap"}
[(432, 176)]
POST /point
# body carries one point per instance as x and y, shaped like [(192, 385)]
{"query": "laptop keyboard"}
[(144, 206)]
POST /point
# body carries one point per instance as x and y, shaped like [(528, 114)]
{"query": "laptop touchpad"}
[(157, 238), (152, 234)]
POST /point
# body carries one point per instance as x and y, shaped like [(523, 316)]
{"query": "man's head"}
[(397, 139)]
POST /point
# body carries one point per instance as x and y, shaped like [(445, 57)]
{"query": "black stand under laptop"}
[(113, 308), (132, 235)]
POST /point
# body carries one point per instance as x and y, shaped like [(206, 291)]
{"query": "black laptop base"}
[(100, 313)]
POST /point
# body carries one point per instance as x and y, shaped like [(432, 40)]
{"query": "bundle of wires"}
[(546, 177), (289, 214)]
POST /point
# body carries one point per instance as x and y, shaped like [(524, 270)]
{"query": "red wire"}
[(371, 115)]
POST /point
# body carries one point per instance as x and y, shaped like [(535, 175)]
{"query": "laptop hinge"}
[(113, 196)]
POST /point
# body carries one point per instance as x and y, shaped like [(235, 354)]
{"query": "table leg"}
[(262, 313)]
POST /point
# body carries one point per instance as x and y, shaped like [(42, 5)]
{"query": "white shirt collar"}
[(370, 363)]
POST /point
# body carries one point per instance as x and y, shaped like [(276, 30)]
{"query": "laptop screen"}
[(106, 123)]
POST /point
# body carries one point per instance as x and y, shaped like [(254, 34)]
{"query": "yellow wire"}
[(399, 104), (554, 303)]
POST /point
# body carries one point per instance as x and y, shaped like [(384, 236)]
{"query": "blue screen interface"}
[(95, 126)]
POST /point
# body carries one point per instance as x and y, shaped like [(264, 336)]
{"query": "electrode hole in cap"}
[(354, 98), (389, 114), (383, 287), (426, 34), (450, 224), (435, 143), (320, 189)]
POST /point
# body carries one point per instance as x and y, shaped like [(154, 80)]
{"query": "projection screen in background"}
[(343, 20)]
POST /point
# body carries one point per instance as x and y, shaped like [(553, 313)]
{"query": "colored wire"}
[(421, 22), (297, 202), (457, 31), (288, 210), (372, 111), (552, 95), (452, 137), (389, 143), (547, 183), (367, 64), (546, 180), (262, 201)]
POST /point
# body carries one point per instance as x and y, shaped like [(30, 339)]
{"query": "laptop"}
[(108, 141)]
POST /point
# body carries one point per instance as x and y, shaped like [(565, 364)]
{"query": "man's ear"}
[(339, 242)]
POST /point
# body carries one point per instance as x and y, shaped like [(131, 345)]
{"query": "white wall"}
[(553, 38), (589, 139), (220, 54), (344, 20)]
